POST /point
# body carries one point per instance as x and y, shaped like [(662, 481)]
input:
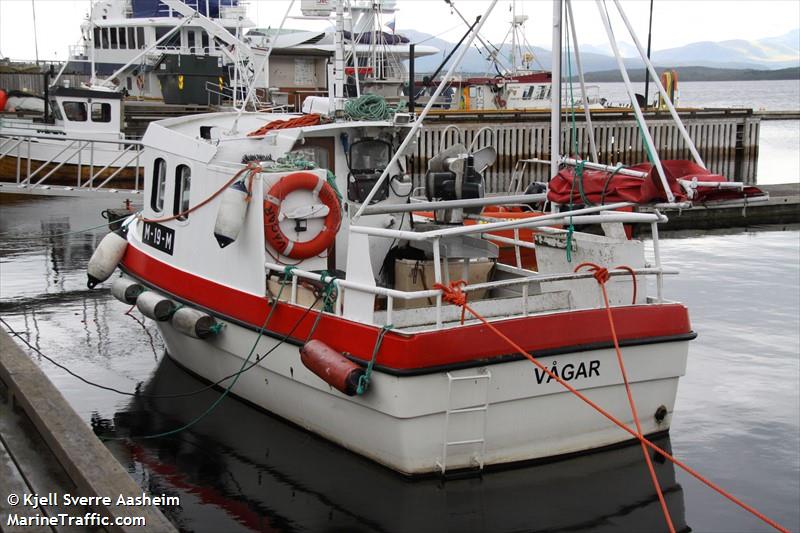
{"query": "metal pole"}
[(412, 82), (353, 40), (338, 59), (418, 123), (35, 37), (648, 140), (92, 77), (586, 112), (555, 91), (651, 69), (649, 42)]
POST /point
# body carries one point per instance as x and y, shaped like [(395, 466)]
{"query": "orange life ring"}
[(272, 208)]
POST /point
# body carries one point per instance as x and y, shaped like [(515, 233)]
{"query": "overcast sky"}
[(675, 22)]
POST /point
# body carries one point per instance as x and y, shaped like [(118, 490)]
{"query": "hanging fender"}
[(273, 216)]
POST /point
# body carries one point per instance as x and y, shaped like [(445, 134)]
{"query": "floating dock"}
[(46, 449)]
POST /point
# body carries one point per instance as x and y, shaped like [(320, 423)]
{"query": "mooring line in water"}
[(601, 276), (452, 293)]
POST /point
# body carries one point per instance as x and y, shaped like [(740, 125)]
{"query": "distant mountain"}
[(771, 53), (701, 74)]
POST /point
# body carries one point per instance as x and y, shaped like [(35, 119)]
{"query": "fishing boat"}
[(279, 256)]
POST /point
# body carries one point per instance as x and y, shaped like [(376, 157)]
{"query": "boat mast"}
[(586, 112), (648, 140), (555, 91), (338, 58), (514, 37)]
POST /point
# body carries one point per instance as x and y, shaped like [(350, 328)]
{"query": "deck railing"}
[(523, 279)]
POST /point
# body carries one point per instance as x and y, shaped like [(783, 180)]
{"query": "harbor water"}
[(240, 469)]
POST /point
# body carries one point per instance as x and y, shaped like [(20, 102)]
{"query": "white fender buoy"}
[(105, 259), (232, 210), (126, 290), (194, 323), (153, 305)]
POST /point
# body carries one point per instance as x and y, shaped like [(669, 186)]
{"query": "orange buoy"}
[(3, 99)]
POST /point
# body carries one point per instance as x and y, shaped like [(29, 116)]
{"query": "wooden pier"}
[(46, 448), (727, 140)]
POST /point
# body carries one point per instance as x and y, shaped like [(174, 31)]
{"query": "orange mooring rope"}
[(452, 293), (601, 275)]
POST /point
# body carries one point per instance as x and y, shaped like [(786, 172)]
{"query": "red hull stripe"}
[(540, 333)]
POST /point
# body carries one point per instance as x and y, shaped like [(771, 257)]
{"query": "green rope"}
[(287, 275), (371, 107), (332, 182), (329, 291), (363, 381)]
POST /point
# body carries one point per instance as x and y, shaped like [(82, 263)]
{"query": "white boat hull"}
[(402, 421)]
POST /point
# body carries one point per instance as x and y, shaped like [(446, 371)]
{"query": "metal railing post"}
[(657, 257)]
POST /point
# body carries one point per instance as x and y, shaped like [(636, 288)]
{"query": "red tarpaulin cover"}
[(600, 186)]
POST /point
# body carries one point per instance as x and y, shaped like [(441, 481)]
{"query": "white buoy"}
[(232, 211), (194, 323), (153, 305), (105, 259), (126, 290)]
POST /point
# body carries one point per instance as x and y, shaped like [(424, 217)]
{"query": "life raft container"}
[(272, 215)]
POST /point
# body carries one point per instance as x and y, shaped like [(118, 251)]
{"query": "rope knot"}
[(452, 292), (600, 274)]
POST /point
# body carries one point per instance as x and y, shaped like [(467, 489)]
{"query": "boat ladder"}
[(484, 376)]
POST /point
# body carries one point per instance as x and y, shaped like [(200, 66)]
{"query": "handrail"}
[(575, 216), (71, 138)]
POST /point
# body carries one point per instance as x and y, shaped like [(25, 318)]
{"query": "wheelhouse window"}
[(75, 111), (183, 181), (131, 37), (101, 112), (97, 38), (159, 184), (104, 38), (140, 37), (113, 33)]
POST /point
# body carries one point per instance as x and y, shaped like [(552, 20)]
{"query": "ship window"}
[(113, 34), (104, 38), (101, 112), (140, 37), (123, 42), (96, 37), (204, 38), (190, 39), (183, 180), (75, 111), (159, 183), (131, 38)]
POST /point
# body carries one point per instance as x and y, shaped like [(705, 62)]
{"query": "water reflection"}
[(251, 471)]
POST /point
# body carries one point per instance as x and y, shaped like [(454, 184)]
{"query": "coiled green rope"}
[(371, 107)]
